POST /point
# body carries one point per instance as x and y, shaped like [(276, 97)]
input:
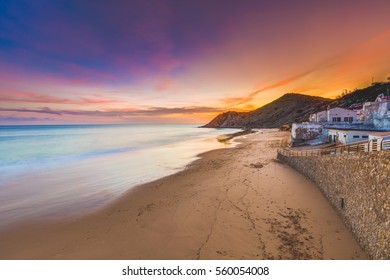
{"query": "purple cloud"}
[(152, 111), (23, 119)]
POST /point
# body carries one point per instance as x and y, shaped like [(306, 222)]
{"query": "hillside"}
[(360, 95), (293, 107)]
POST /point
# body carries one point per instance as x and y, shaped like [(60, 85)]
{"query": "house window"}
[(356, 136), (348, 119), (334, 119)]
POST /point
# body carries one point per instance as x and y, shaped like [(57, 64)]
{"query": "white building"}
[(340, 115), (378, 135), (347, 136), (335, 115), (344, 126), (303, 132), (377, 112)]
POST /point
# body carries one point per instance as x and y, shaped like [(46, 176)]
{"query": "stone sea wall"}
[(358, 187)]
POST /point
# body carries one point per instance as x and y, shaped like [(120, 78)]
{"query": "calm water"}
[(52, 171)]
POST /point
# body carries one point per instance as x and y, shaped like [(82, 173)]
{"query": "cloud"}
[(23, 119), (164, 84), (237, 100), (152, 111), (44, 110), (250, 96), (363, 58), (155, 111), (281, 83), (16, 95)]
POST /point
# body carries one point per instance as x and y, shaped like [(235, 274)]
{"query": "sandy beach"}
[(237, 203)]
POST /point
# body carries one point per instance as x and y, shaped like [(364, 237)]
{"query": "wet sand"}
[(237, 203)]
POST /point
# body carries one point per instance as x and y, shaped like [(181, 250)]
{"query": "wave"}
[(55, 174)]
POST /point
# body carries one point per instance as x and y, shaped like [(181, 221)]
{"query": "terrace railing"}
[(356, 147)]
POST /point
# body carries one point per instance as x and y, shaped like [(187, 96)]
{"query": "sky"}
[(175, 61)]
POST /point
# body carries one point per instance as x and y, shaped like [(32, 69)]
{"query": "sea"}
[(52, 171)]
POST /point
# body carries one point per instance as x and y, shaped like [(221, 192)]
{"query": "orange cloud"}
[(373, 52), (235, 101)]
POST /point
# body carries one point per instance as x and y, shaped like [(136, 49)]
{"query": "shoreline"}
[(232, 142), (56, 186), (236, 203)]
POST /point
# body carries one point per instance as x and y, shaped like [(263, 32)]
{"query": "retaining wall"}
[(358, 187)]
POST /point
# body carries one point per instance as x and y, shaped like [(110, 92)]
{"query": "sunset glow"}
[(181, 61)]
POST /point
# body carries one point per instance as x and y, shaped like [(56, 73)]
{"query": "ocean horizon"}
[(50, 171)]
